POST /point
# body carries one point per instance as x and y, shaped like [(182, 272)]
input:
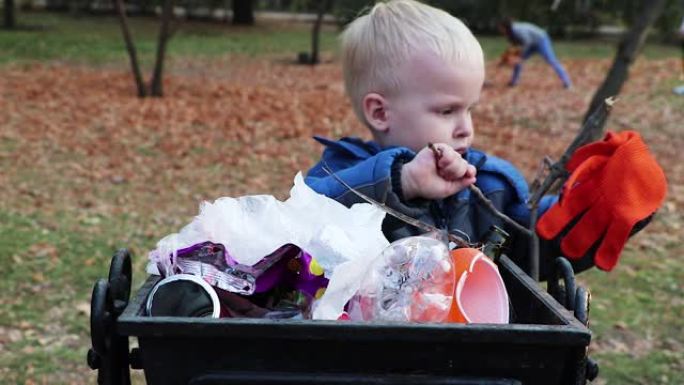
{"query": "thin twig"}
[(557, 175), (402, 217), (483, 199), (586, 134), (492, 210)]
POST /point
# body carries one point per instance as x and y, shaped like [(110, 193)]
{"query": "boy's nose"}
[(464, 127)]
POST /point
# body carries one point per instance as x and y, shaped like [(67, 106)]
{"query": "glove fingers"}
[(572, 204), (553, 221), (580, 196), (613, 242), (585, 232), (620, 183)]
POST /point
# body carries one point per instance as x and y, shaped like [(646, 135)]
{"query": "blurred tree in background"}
[(569, 18), (8, 14)]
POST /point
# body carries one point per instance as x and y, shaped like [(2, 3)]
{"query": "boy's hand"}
[(431, 177)]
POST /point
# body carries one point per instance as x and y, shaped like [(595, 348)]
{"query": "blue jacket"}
[(369, 168)]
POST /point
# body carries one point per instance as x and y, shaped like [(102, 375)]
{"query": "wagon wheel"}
[(99, 322), (109, 352), (582, 300), (582, 307), (565, 295), (120, 274)]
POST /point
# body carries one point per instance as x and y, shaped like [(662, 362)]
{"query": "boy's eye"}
[(447, 111)]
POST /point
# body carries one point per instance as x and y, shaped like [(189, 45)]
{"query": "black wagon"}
[(546, 342)]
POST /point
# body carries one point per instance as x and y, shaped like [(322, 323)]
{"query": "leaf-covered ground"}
[(86, 167)]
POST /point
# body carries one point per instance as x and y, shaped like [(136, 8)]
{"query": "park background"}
[(87, 166)]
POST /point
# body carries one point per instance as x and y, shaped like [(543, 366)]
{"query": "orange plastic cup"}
[(480, 295)]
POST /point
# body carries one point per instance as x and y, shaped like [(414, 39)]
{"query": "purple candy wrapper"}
[(289, 267)]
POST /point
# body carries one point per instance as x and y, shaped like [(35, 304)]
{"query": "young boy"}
[(413, 74)]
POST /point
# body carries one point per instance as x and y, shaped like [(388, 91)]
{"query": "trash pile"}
[(310, 257)]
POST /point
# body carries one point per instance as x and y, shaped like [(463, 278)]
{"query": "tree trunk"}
[(130, 47), (10, 19), (226, 7), (243, 12), (146, 8), (56, 5), (164, 33), (323, 6), (628, 49)]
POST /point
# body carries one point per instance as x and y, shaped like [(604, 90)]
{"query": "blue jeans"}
[(545, 49)]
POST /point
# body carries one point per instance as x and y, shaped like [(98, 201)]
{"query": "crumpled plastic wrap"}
[(252, 227), (413, 280)]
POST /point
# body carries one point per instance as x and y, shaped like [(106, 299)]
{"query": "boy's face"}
[(433, 104)]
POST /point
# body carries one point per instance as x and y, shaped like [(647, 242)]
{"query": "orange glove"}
[(613, 185)]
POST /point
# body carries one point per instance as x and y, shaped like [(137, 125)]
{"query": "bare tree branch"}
[(587, 133), (130, 47), (157, 76), (9, 15), (558, 175), (628, 49), (595, 118)]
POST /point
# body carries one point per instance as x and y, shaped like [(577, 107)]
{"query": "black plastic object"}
[(183, 295), (544, 344)]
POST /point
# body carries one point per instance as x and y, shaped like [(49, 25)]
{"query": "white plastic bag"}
[(252, 227)]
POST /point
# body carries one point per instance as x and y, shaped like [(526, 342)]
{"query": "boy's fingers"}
[(471, 171), (448, 156), (461, 184), (456, 170)]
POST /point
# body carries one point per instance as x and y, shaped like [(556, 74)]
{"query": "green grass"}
[(98, 40), (637, 314), (50, 264)]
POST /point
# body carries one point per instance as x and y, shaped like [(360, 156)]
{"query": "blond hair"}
[(377, 43)]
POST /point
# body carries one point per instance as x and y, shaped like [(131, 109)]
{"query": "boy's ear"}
[(375, 111)]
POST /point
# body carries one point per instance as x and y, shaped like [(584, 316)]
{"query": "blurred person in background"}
[(529, 39), (681, 42), (679, 90)]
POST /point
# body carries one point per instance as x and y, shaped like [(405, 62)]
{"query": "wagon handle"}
[(287, 378)]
